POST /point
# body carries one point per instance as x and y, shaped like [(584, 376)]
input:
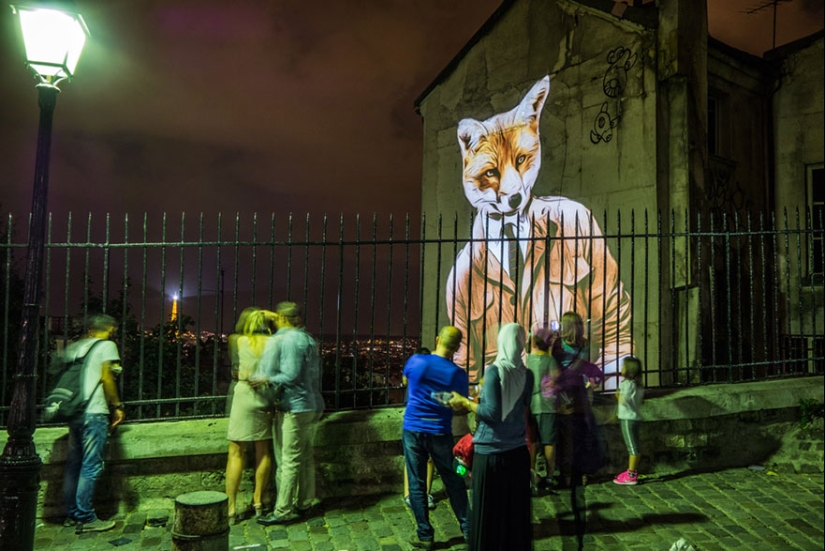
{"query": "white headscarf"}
[(511, 370)]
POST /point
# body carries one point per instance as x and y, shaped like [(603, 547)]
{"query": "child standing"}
[(630, 396), (543, 406)]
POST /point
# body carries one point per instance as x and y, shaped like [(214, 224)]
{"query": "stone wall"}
[(799, 118), (359, 452)]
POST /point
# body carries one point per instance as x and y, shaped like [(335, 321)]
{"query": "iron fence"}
[(710, 299)]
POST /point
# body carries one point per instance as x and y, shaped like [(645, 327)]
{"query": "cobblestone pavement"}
[(733, 509)]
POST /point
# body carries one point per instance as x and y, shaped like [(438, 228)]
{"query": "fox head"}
[(502, 155)]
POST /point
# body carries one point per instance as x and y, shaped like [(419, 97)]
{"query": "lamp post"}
[(53, 35)]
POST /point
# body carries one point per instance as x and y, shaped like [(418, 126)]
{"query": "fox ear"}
[(470, 132), (530, 107)]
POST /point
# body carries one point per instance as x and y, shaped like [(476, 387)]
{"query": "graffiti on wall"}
[(531, 258), (603, 126), (619, 62), (724, 193)]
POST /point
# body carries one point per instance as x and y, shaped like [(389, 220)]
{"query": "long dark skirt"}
[(501, 515)]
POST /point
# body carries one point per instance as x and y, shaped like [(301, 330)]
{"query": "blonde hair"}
[(572, 330), (256, 330), (256, 323), (239, 325)]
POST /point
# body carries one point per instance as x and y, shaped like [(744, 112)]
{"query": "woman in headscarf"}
[(500, 519)]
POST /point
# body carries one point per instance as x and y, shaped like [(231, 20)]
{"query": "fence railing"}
[(708, 299)]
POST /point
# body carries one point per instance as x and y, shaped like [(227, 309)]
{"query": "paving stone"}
[(735, 509)]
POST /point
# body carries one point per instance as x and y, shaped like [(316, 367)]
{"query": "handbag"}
[(463, 452)]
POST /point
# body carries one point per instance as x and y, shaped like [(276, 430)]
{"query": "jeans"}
[(418, 446), (294, 434), (84, 463)]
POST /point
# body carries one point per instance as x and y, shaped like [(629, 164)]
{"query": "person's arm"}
[(107, 380), (407, 366), (290, 361), (234, 360), (462, 403), (488, 407), (624, 392)]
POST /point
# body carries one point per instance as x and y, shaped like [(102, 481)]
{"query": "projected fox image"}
[(531, 258)]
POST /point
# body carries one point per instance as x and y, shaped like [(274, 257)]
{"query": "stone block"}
[(675, 441)]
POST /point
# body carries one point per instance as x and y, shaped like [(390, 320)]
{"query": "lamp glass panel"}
[(52, 37)]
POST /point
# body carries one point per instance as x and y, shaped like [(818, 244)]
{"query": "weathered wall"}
[(799, 125), (799, 119), (738, 179), (707, 427)]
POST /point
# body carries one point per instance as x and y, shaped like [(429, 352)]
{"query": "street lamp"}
[(53, 35)]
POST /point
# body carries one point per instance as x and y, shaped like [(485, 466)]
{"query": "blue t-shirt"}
[(428, 373)]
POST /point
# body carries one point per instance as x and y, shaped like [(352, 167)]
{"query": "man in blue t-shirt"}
[(428, 432)]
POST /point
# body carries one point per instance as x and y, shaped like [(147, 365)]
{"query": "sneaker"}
[(96, 525), (69, 522), (407, 501), (550, 483), (420, 544), (270, 520), (430, 502), (627, 479)]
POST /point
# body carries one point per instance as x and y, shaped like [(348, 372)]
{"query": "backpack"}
[(65, 402)]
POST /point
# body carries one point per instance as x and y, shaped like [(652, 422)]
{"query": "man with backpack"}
[(88, 431)]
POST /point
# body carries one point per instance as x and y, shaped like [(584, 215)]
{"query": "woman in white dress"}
[(250, 419)]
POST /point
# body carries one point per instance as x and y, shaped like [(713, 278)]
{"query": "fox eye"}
[(520, 160), (491, 173)]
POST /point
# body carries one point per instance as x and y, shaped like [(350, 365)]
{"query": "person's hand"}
[(457, 401), (257, 383), (548, 387), (117, 418)]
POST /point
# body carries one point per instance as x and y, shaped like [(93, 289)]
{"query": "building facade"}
[(612, 125)]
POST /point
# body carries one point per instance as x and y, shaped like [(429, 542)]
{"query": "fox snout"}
[(511, 191), (514, 201)]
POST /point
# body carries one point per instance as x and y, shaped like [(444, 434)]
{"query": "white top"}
[(248, 360), (631, 396), (104, 352)]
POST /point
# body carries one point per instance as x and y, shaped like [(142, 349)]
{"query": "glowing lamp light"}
[(53, 38)]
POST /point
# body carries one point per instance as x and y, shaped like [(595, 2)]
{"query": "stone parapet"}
[(359, 452)]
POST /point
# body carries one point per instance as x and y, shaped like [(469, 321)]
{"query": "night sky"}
[(207, 106)]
